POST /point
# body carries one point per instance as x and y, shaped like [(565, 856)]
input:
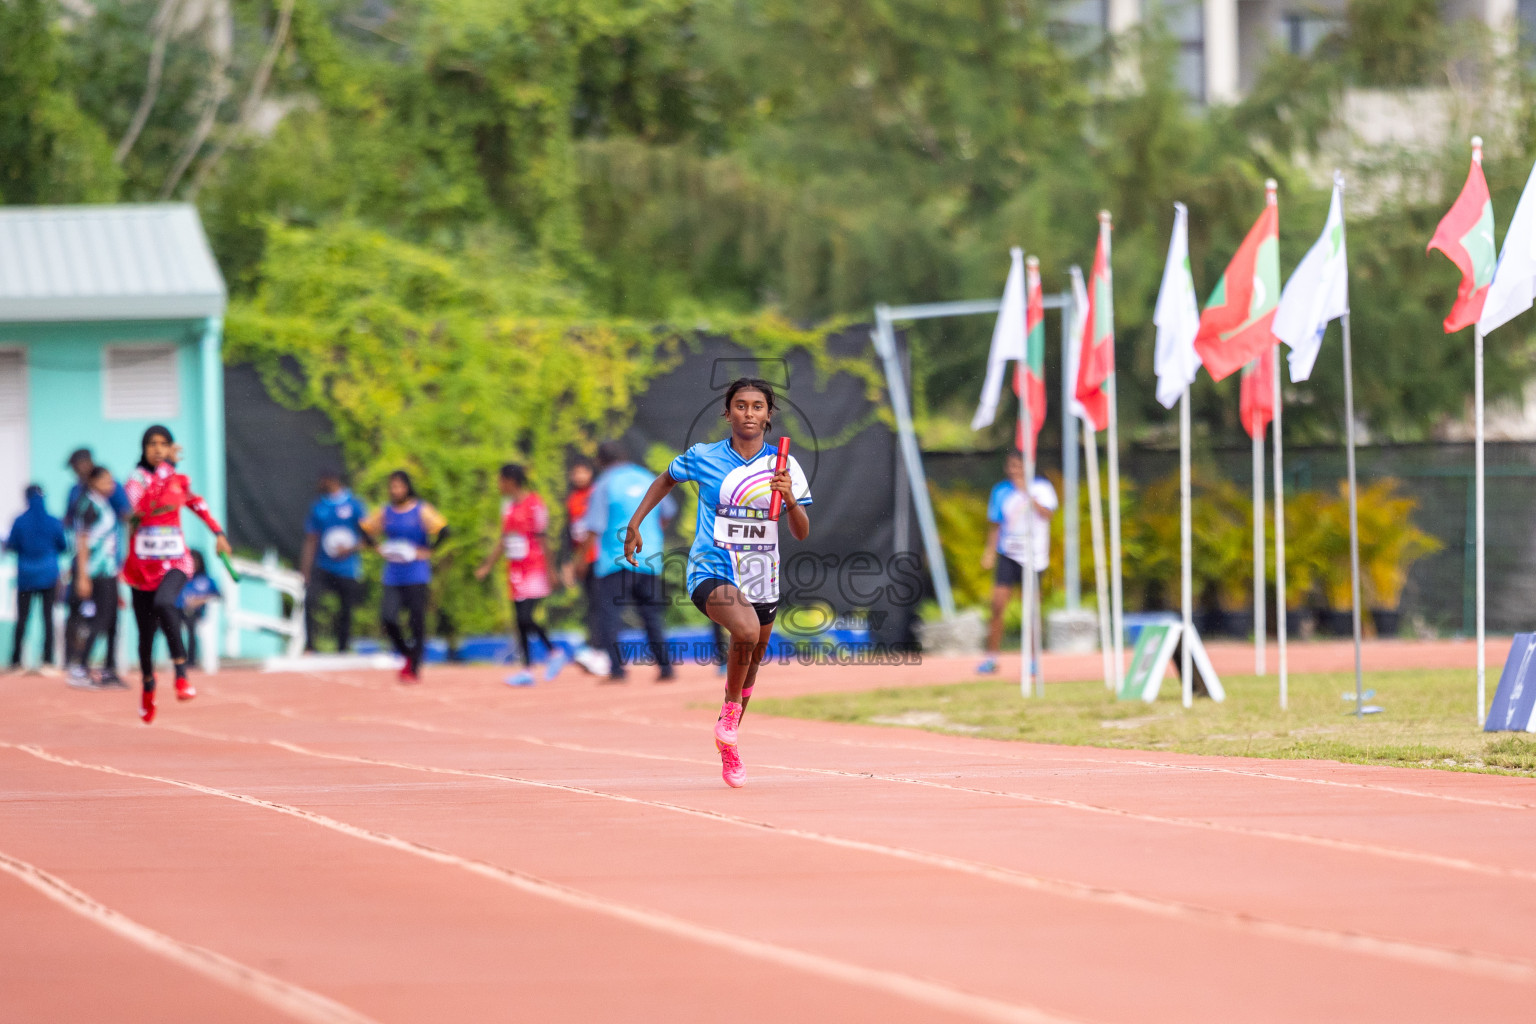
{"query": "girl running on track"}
[(159, 563), (733, 566), (406, 532), (524, 539)]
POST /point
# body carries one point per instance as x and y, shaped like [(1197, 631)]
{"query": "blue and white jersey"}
[(735, 540)]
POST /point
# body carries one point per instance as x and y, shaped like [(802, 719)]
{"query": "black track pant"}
[(24, 600), (82, 631), (348, 592), (412, 600), (528, 627), (156, 609), (640, 591)]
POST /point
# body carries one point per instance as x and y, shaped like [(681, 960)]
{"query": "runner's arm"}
[(799, 522), (200, 509), (660, 488), (492, 556), (307, 558), (82, 560)]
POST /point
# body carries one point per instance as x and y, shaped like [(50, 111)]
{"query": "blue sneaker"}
[(987, 667), (556, 662), (523, 678)]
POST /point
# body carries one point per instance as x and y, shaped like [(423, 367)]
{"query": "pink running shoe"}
[(726, 725), (731, 769)]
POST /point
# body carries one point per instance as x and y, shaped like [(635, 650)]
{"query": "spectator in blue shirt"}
[(620, 487), (38, 540), (331, 562), (84, 464), (193, 602)]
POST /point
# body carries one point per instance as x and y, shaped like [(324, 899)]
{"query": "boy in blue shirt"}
[(331, 562), (193, 602)]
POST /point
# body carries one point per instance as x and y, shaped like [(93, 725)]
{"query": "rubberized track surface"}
[(332, 847)]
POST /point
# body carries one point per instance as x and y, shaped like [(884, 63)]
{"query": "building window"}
[(1303, 31), (1184, 20), (140, 382)]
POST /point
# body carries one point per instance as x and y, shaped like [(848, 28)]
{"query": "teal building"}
[(111, 319)]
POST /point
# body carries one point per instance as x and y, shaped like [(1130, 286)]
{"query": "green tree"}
[(53, 153)]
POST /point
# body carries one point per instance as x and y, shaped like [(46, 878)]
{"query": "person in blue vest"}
[(331, 562), (38, 540), (406, 531), (620, 487)]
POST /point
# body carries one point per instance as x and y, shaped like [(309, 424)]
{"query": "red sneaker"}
[(147, 707), (408, 676), (184, 689)]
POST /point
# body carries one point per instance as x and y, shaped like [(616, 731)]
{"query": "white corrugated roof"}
[(147, 261)]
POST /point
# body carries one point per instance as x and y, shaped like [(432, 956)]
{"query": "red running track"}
[(332, 847)]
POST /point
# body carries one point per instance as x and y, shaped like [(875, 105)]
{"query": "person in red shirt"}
[(524, 540), (159, 562)]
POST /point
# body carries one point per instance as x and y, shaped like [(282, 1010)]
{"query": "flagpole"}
[(1116, 576), (1186, 546), (1260, 624), (1096, 526), (1270, 188), (1354, 517), (1482, 659), (1026, 611), (1112, 442), (1026, 443)]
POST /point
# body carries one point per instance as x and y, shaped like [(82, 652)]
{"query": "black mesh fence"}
[(1437, 476)]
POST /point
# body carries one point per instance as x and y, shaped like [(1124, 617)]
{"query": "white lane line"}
[(622, 716), (1468, 961), (919, 990), (298, 1003), (1304, 839), (1036, 759)]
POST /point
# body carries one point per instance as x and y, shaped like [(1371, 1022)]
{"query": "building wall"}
[(65, 397)]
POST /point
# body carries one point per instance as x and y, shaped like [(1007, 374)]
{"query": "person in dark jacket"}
[(38, 540)]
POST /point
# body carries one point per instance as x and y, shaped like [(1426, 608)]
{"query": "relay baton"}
[(229, 567), (780, 464)]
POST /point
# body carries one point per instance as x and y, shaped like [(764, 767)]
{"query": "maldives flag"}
[(1236, 324), (1031, 372), (1256, 398), (1097, 359), (1466, 237)]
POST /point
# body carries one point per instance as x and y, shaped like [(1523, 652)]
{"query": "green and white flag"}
[(1317, 293), (1177, 317), (1513, 288)]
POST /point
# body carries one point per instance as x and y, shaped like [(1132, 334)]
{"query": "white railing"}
[(284, 581)]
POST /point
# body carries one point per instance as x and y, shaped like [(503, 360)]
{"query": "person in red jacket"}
[(159, 562)]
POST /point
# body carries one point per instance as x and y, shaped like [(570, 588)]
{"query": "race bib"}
[(338, 540), (398, 551), (159, 542), (516, 546), (1016, 547), (745, 529)]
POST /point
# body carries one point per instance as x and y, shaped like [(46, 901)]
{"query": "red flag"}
[(1236, 324), (1256, 400), (1097, 359), (1031, 371), (1466, 237)]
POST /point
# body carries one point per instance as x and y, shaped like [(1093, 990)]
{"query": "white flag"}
[(1317, 292), (1007, 341), (1513, 287), (1073, 347), (1177, 318)]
